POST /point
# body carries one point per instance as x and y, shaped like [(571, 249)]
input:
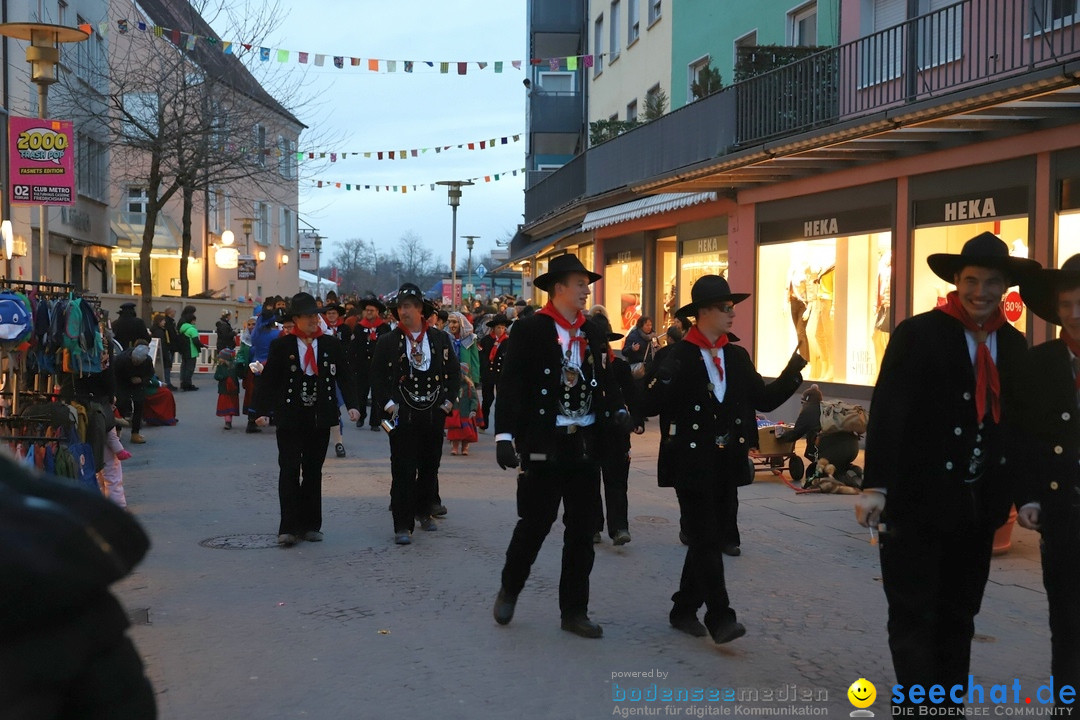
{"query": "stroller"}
[(831, 450)]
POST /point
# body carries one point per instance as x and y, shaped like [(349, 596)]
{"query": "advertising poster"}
[(42, 156)]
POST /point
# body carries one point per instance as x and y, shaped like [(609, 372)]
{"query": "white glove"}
[(868, 508), (256, 367)]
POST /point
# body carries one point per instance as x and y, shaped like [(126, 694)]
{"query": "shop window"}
[(928, 290), (828, 298), (702, 256), (1068, 234), (667, 283), (622, 290)]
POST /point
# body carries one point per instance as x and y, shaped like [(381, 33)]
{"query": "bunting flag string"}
[(488, 144), (189, 41), (406, 188)]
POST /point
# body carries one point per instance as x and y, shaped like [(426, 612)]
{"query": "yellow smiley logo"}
[(862, 693)]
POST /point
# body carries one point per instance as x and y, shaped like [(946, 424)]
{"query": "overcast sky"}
[(362, 111)]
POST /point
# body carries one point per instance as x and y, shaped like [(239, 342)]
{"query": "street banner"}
[(42, 156)]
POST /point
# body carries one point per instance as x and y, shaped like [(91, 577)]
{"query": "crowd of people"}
[(966, 421)]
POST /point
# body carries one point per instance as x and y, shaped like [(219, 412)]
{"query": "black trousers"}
[(934, 584), (415, 454), (570, 476), (1061, 578), (615, 472), (301, 452), (488, 393), (363, 388), (705, 508), (129, 401)]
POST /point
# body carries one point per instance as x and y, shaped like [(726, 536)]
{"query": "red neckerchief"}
[(696, 337), (1075, 347), (987, 382), (309, 354), (371, 326), (570, 327), (495, 345), (415, 341)]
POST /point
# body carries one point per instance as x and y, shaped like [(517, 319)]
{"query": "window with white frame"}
[(555, 82), (1049, 15), (631, 110), (633, 21), (802, 25), (613, 41), (91, 167), (287, 231), (654, 10), (598, 46), (137, 199), (747, 40), (283, 161), (651, 96), (693, 72), (215, 209), (939, 35), (262, 223), (259, 140)]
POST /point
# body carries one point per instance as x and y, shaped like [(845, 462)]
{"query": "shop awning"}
[(537, 247), (127, 228), (643, 207)]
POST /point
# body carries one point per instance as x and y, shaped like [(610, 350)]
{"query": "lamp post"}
[(453, 191), (318, 266), (247, 223), (43, 54), (469, 244)]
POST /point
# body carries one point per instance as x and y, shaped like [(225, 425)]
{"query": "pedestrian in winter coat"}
[(189, 335), (226, 336), (229, 375), (129, 327)]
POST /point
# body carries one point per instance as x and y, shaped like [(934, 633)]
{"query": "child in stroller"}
[(838, 450)]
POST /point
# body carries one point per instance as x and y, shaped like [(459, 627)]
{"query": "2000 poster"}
[(42, 155)]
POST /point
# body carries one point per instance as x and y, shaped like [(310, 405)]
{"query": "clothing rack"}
[(50, 290)]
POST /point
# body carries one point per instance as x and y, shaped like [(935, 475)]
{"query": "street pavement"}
[(232, 627)]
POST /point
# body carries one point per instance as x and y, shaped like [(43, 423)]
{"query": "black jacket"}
[(691, 418), (1049, 436), (361, 347), (923, 433), (491, 368), (278, 387), (226, 336), (390, 365), (531, 378), (127, 328), (172, 337)]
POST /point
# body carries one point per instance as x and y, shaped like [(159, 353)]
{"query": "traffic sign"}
[(481, 271)]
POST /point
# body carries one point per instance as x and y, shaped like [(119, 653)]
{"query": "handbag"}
[(637, 370), (839, 416)]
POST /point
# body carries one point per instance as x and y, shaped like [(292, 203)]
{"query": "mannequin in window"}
[(823, 328), (800, 311), (882, 316)]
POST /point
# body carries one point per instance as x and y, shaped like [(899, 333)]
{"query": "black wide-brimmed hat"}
[(708, 290), (558, 268), (332, 306), (499, 319), (410, 291), (984, 250), (301, 304), (604, 325), (373, 302), (1040, 288)]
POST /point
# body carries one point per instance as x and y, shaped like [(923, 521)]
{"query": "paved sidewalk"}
[(356, 627)]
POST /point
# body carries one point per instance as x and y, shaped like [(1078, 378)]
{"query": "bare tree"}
[(182, 113)]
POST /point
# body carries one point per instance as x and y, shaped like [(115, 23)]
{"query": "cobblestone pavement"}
[(357, 627)]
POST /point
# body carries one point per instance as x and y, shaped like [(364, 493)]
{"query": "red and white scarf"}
[(309, 354), (696, 337), (371, 326), (987, 381), (573, 327)]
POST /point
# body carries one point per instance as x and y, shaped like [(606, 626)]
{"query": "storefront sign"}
[(245, 267), (42, 156), (837, 224), (698, 246), (1014, 306), (968, 209)]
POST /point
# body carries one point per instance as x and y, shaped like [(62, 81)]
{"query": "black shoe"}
[(339, 449), (189, 387), (727, 631), (427, 524), (252, 427), (504, 607), (438, 510), (360, 423), (732, 550), (375, 428), (688, 623), (286, 539), (621, 537), (582, 626), (172, 387), (313, 536), (597, 538)]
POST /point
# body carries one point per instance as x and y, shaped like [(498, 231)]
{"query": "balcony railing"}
[(557, 189), (971, 43), (556, 112)]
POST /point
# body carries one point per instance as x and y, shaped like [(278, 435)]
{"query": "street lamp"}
[(469, 244), (246, 223), (318, 266), (43, 54), (453, 191)]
